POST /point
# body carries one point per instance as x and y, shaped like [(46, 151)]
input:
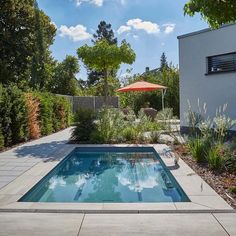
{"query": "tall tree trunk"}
[(106, 87)]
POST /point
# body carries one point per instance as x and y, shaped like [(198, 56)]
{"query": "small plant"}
[(85, 126), (233, 189), (198, 148), (154, 137), (215, 158), (129, 134)]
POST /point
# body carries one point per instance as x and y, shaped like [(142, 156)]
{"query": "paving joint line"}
[(81, 225), (220, 224)]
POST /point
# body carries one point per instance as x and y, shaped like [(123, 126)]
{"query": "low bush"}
[(198, 148), (85, 125), (215, 159), (154, 137), (113, 126)]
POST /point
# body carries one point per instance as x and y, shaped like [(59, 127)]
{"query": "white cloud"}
[(169, 28), (76, 33), (138, 24), (98, 3), (123, 28), (122, 2), (135, 36)]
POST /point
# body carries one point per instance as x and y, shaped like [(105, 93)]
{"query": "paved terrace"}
[(22, 167)]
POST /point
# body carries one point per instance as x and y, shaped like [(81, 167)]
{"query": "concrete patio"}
[(22, 167)]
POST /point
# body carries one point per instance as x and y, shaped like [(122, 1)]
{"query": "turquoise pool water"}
[(108, 175)]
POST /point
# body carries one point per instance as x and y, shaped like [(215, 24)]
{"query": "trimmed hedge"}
[(25, 116)]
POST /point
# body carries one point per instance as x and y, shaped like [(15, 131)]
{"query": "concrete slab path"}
[(59, 224)]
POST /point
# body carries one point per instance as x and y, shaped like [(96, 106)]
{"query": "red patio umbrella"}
[(144, 86)]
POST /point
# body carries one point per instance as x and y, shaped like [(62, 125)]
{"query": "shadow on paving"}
[(45, 151)]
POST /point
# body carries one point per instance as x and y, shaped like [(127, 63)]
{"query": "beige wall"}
[(215, 90)]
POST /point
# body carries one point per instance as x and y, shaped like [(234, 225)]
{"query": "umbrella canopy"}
[(142, 86)]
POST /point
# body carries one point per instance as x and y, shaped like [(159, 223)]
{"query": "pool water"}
[(108, 175)]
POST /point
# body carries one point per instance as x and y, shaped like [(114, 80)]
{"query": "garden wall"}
[(94, 103)]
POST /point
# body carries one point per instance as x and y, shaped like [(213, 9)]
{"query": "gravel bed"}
[(220, 182)]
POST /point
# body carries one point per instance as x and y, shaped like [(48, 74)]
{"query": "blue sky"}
[(150, 26)]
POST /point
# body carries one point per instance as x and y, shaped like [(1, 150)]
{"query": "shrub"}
[(110, 124), (45, 112), (198, 148), (85, 126), (32, 104), (5, 116), (233, 189), (18, 115), (61, 114), (129, 134), (154, 137), (215, 159)]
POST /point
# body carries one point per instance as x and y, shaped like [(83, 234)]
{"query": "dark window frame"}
[(209, 72)]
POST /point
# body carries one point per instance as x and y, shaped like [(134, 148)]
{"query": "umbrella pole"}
[(162, 99), (163, 92)]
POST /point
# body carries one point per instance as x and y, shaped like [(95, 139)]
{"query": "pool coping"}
[(203, 198)]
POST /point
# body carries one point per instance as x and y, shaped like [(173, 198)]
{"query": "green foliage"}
[(45, 112), (113, 126), (106, 57), (85, 126), (163, 62), (198, 148), (21, 41), (13, 115), (62, 113), (216, 13), (154, 137), (215, 159), (18, 115), (233, 189), (130, 134), (168, 77), (64, 81)]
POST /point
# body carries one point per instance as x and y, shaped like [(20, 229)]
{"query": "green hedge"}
[(54, 114)]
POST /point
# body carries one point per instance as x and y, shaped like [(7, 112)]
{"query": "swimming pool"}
[(108, 174)]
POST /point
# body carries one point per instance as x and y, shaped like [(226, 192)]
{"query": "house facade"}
[(207, 61)]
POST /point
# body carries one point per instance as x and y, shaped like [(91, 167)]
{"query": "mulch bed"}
[(220, 182)]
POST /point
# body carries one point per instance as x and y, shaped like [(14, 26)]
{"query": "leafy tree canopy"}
[(19, 36), (106, 57), (215, 12), (103, 56), (65, 81)]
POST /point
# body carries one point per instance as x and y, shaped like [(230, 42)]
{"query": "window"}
[(221, 63)]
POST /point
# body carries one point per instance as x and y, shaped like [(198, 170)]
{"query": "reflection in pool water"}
[(108, 177)]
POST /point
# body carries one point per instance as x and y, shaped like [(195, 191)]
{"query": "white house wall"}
[(216, 89)]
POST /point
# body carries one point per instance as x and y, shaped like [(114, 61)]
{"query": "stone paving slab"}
[(59, 224), (43, 224), (228, 221), (16, 161), (154, 224)]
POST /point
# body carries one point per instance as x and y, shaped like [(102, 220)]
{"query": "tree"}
[(215, 12), (104, 31), (65, 81), (42, 61), (16, 38), (22, 41), (163, 62), (106, 57)]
